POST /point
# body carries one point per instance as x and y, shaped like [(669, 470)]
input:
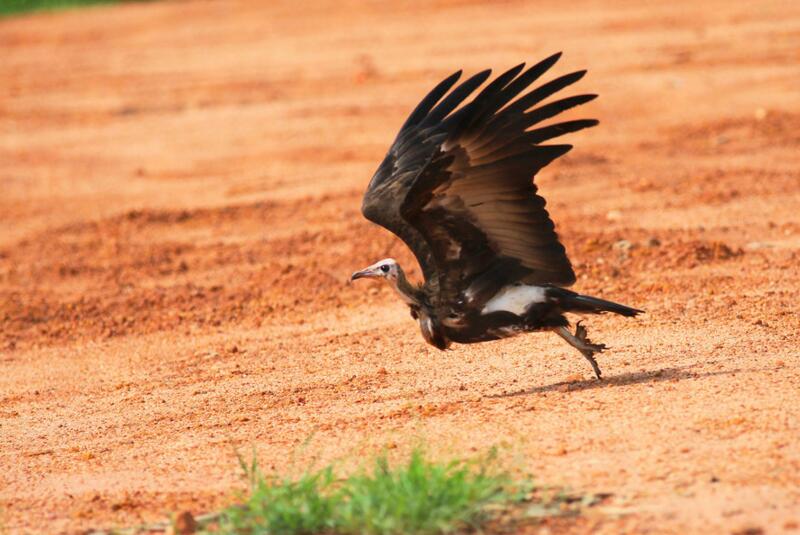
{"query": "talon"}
[(597, 373), (580, 332), (589, 355), (581, 342)]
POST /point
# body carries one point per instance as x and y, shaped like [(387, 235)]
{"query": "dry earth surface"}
[(181, 185)]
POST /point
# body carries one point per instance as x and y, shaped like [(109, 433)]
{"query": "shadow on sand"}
[(634, 378)]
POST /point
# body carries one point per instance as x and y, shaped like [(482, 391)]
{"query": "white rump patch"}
[(515, 299)]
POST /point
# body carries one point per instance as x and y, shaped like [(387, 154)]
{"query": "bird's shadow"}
[(624, 379)]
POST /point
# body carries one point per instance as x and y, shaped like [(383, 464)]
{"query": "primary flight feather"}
[(457, 187)]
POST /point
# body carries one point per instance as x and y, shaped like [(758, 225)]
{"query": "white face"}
[(386, 269)]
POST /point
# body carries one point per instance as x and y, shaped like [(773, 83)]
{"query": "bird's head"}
[(384, 269)]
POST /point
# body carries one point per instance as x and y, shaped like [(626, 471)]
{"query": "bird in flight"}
[(457, 187)]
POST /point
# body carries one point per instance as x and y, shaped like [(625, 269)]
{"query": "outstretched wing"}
[(407, 157), (457, 185)]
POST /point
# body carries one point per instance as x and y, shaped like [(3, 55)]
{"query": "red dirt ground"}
[(181, 186)]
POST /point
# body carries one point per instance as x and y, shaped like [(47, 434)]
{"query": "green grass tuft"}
[(420, 496), (14, 7), (306, 505)]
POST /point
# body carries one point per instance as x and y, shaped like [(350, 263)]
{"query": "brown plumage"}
[(456, 186)]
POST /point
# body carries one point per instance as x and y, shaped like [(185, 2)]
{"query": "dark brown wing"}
[(407, 157), (457, 186)]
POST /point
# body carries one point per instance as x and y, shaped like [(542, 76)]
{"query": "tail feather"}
[(575, 302)]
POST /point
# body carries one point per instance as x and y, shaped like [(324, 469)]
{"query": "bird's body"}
[(457, 187)]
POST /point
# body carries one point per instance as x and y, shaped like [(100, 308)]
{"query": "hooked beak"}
[(361, 274)]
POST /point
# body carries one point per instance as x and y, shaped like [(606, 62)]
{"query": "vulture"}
[(457, 187)]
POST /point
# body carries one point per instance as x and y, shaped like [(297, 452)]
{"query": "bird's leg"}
[(582, 344)]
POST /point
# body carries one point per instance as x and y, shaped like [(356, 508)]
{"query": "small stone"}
[(720, 140), (760, 114), (623, 245), (614, 215), (184, 524), (653, 242)]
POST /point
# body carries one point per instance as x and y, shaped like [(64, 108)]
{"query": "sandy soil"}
[(181, 186)]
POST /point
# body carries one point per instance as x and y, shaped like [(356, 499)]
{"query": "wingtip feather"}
[(546, 64), (553, 58)]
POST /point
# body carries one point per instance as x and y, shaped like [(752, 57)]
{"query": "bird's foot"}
[(580, 342), (585, 343), (588, 349)]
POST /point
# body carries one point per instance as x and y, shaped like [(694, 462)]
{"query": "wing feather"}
[(457, 185), (542, 92), (430, 100), (455, 98), (549, 132)]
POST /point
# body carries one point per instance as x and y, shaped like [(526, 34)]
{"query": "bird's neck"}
[(407, 291)]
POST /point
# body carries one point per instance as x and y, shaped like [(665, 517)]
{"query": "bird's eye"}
[(385, 268)]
